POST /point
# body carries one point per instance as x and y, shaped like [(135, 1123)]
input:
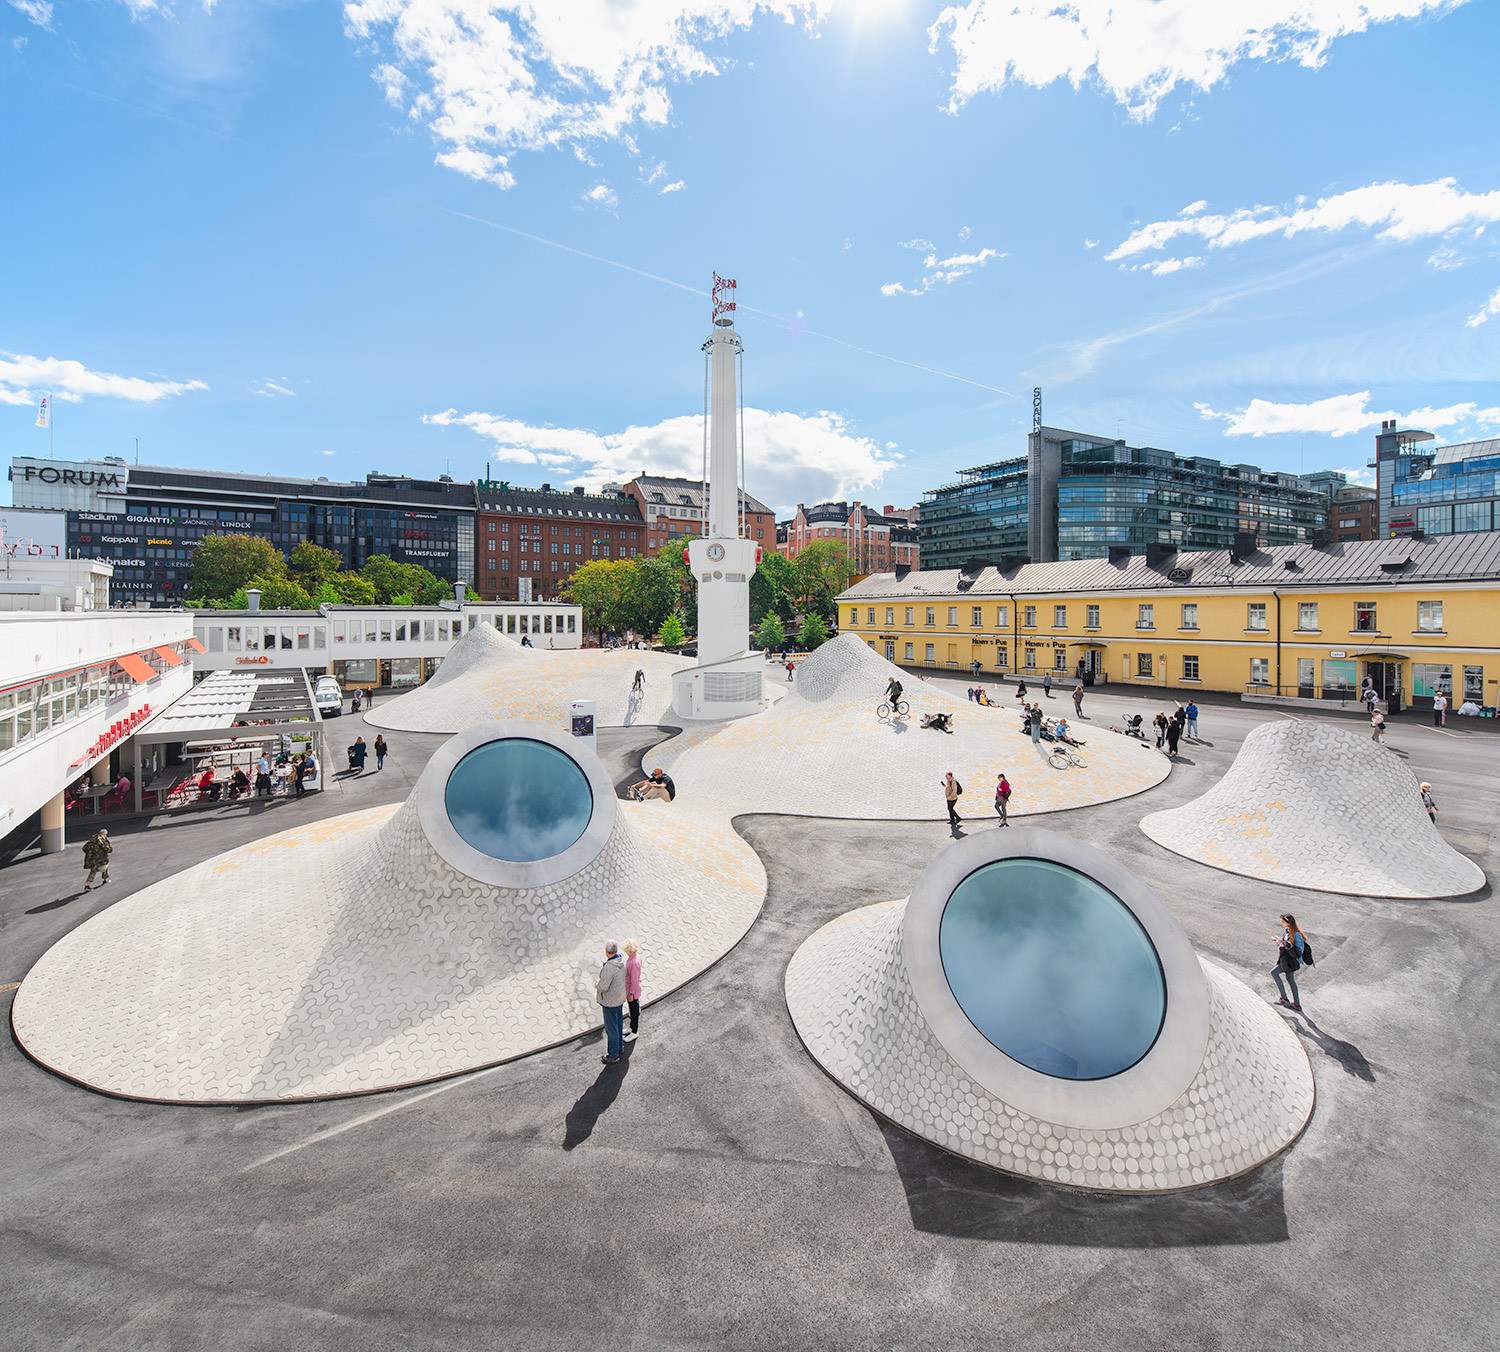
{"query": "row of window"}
[(599, 533), (314, 637), (28, 711), (1429, 616)]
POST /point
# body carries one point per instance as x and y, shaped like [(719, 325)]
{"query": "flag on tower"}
[(44, 411)]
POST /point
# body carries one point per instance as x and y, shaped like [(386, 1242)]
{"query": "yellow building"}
[(1408, 616)]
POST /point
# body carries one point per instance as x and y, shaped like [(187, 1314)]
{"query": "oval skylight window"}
[(518, 800), (1052, 969)]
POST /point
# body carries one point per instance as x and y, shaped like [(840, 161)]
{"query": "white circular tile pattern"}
[(850, 999), (1317, 806)]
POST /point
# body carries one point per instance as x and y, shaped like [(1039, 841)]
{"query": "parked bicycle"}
[(1062, 758)]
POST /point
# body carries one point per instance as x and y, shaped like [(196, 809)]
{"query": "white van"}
[(328, 698)]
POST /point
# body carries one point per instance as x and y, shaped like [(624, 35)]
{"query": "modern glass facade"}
[(1077, 497), (1454, 490), (983, 515)]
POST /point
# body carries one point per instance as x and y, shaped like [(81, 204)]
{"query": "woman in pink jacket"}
[(633, 986)]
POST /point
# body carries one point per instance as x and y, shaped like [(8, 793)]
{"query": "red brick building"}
[(673, 509), (1352, 515), (874, 541), (545, 533)]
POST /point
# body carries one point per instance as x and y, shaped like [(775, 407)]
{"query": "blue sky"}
[(295, 236)]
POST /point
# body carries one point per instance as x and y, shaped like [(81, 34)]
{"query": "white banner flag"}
[(44, 411)]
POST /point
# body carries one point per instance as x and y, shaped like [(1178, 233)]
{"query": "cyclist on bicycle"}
[(893, 693)]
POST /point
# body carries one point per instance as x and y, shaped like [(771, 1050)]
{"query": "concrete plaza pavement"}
[(718, 1190)]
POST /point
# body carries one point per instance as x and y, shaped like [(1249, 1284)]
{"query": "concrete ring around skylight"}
[(1223, 1086), (1175, 1017), (563, 790)]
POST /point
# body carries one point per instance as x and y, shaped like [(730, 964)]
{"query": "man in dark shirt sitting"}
[(658, 785)]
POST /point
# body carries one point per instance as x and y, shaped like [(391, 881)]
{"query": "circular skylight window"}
[(518, 800), (1052, 969), (1055, 978)]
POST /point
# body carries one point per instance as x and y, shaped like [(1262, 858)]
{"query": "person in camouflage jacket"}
[(96, 852)]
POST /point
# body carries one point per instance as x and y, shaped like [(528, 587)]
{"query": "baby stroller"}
[(351, 756), (1133, 727)]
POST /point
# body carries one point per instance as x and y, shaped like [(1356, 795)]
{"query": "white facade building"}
[(75, 688), (367, 647), (69, 485), (56, 584)]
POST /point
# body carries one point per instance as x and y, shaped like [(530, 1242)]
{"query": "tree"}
[(772, 633), (391, 579), (820, 572), (311, 565), (600, 587), (650, 597), (771, 589), (671, 635), (814, 632), (224, 564), (351, 589), (276, 593)]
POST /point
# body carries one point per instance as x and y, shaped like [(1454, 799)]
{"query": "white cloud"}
[(1091, 244), (1400, 211), (602, 195), (1485, 312), (964, 234), (1140, 50), (1358, 474), (789, 457), (491, 78), (23, 378), (273, 389), (939, 271), (1163, 266), (677, 185), (38, 12), (1340, 415), (478, 165)]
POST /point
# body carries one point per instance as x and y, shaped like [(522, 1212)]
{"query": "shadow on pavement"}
[(950, 1196), (54, 905), (592, 1104), (1346, 1054)]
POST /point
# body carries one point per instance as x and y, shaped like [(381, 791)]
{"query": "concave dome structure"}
[(1035, 1007), (488, 675), (460, 928), (1317, 806), (821, 751)]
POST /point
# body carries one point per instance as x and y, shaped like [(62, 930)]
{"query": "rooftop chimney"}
[(460, 592), (252, 599)]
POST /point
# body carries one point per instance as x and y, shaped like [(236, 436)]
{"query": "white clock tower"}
[(727, 681)]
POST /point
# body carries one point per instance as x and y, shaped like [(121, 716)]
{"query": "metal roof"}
[(688, 492), (1444, 558)]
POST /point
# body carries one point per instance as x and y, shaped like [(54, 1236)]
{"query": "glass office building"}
[(1077, 497), (1452, 491)]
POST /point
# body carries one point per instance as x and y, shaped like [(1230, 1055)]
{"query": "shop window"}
[(1430, 616), (1474, 685), (1143, 664), (1338, 677), (909, 649), (1260, 671), (1189, 667), (1030, 662), (1059, 659), (1427, 678)]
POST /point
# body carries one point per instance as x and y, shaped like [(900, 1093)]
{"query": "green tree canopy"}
[(772, 633), (311, 565), (601, 587), (351, 589), (772, 589), (276, 593), (224, 564), (820, 572), (651, 596), (391, 579), (671, 635), (814, 632)]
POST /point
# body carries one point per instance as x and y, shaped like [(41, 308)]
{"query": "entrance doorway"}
[(1386, 678), (890, 651), (1306, 685)]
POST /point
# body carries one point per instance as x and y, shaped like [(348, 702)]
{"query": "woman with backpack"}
[(1292, 951), (1002, 799)]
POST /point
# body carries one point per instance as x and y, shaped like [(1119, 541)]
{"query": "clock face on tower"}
[(716, 552)]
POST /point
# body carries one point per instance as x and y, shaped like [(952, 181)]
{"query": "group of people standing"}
[(618, 987), (1170, 731)]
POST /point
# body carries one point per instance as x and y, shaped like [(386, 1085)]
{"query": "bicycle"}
[(885, 711), (1063, 759)]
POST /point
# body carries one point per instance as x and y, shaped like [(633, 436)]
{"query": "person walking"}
[(1021, 691), (633, 986), (381, 749), (96, 852), (1439, 709), (1077, 701), (951, 789), (299, 773), (1160, 724), (1174, 733), (263, 776), (357, 754), (1429, 802), (609, 991), (1192, 720), (1377, 727), (1290, 949), (1047, 685), (1002, 800)]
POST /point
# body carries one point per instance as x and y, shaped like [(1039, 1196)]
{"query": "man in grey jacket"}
[(609, 990)]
